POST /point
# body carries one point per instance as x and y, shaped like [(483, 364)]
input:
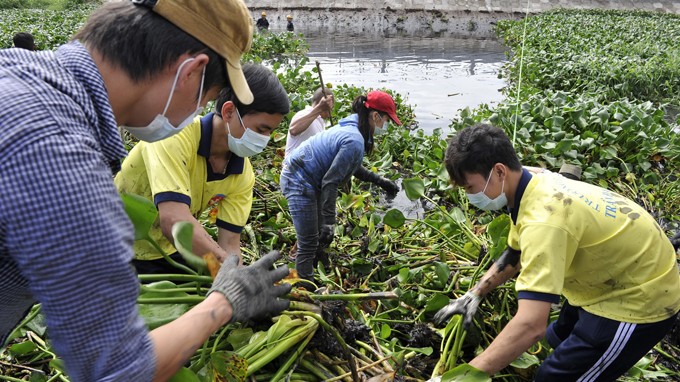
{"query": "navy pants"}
[(590, 348)]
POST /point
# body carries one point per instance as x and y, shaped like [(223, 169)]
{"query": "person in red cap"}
[(313, 172)]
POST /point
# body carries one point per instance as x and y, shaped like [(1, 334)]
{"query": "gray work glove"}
[(675, 240), (326, 235), (251, 290), (466, 305)]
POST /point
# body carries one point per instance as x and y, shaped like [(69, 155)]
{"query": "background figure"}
[(312, 174), (205, 166), (24, 40), (262, 23), (311, 120), (290, 27)]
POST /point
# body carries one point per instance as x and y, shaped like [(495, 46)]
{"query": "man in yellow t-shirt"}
[(205, 166), (605, 254)]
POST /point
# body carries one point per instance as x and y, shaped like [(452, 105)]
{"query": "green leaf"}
[(525, 361), (184, 375), (156, 315), (373, 245), (465, 373), (142, 212), (414, 187), (394, 218), (385, 331), (183, 236), (436, 302), (228, 366), (442, 271), (238, 338), (22, 348)]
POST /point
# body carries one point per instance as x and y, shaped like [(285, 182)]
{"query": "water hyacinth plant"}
[(392, 269)]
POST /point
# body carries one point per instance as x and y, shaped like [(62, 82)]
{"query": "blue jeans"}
[(304, 205)]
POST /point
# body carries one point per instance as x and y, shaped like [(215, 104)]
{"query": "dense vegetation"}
[(620, 135)]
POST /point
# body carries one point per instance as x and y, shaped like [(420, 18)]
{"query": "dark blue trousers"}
[(590, 348)]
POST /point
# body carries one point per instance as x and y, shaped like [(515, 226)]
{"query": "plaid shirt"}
[(65, 240)]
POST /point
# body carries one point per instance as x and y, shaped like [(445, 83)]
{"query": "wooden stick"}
[(323, 91)]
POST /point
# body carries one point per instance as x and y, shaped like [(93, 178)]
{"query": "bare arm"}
[(525, 329), (299, 125), (230, 242), (175, 342), (173, 212), (505, 268)]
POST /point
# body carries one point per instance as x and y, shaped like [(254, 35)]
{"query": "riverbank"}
[(461, 18)]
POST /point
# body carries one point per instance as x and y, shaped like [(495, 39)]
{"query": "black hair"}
[(359, 107), (24, 40), (269, 96), (319, 93), (476, 149), (143, 44)]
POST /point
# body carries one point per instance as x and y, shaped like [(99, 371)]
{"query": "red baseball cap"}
[(381, 101)]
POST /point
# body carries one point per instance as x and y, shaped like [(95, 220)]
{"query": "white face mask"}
[(483, 202), (249, 144), (160, 127), (380, 129)]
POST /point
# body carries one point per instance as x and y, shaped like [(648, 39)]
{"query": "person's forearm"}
[(202, 243), (512, 341), (524, 330), (301, 124), (500, 272), (175, 342)]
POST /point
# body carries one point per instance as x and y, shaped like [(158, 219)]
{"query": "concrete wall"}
[(473, 18), (507, 6)]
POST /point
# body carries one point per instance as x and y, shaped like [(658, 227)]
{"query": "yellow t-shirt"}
[(603, 252), (179, 172)]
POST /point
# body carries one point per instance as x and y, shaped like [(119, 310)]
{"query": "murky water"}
[(438, 75)]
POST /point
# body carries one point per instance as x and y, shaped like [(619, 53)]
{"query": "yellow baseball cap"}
[(264, 13), (223, 25)]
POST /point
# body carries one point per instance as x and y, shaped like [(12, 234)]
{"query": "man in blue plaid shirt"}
[(65, 240)]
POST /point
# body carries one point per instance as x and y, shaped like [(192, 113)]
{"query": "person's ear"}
[(228, 110), (192, 69), (501, 170)]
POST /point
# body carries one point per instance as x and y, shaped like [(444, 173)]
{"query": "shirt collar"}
[(75, 58), (523, 182), (235, 164)]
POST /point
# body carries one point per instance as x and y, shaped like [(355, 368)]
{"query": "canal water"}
[(437, 75)]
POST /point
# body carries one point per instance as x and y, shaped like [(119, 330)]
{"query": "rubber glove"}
[(389, 186), (326, 235), (250, 290), (466, 305)]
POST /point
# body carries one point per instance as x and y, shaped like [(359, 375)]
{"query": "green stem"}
[(168, 259), (175, 277), (355, 296), (34, 312), (293, 357), (171, 300), (341, 341), (278, 349)]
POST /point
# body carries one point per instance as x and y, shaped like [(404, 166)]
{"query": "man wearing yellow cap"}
[(290, 27), (262, 23), (148, 66)]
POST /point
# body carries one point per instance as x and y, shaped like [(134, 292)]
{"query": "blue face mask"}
[(483, 202)]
